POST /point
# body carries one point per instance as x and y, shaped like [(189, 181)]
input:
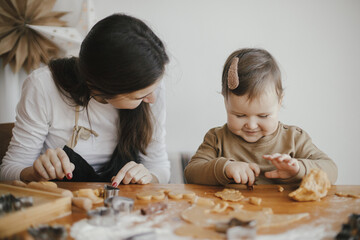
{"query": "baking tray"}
[(47, 207)]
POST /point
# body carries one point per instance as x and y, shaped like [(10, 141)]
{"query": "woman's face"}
[(132, 100)]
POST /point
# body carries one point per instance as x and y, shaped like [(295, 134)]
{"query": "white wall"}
[(316, 42)]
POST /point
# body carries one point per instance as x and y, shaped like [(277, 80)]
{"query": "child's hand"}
[(242, 172), (286, 166)]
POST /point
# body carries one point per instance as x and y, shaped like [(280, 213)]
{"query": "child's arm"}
[(207, 166), (304, 157), (286, 167)]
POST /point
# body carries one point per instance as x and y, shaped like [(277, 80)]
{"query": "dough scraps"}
[(222, 207), (314, 186), (230, 195), (202, 201), (89, 193), (181, 194), (255, 201), (190, 230), (351, 195), (280, 188), (200, 215), (149, 195)]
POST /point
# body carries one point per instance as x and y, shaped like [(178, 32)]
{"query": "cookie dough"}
[(313, 187), (150, 195), (219, 207), (202, 201), (89, 193), (230, 195), (255, 201), (189, 230), (198, 215), (181, 194), (351, 195)]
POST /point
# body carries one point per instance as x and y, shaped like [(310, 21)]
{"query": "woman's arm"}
[(29, 132)]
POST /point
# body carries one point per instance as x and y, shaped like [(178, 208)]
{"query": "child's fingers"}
[(284, 157), (236, 177), (271, 156), (255, 168), (244, 177), (251, 176), (272, 174)]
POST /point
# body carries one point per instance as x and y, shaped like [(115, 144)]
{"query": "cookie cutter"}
[(101, 216), (9, 203), (119, 204), (351, 229), (110, 191), (238, 229), (45, 232)]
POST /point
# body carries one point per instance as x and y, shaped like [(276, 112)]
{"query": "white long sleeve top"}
[(44, 120)]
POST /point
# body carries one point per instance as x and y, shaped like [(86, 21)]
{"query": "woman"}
[(98, 106)]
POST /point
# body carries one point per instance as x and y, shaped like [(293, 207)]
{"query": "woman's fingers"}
[(40, 170), (47, 163), (145, 179), (133, 174), (53, 164), (66, 168), (121, 174)]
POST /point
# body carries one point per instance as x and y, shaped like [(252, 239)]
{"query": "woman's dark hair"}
[(120, 54), (256, 69)]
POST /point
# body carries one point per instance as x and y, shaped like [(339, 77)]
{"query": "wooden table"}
[(332, 211)]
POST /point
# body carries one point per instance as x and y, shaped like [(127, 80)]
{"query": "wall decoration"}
[(31, 33)]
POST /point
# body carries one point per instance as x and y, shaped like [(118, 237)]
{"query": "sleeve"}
[(156, 158), (310, 157), (205, 167), (29, 132)]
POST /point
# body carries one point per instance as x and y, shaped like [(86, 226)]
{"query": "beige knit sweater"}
[(220, 146)]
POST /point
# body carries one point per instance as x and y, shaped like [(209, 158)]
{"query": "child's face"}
[(253, 119)]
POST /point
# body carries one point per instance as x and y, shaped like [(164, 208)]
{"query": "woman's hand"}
[(132, 172), (242, 172), (53, 164), (286, 166)]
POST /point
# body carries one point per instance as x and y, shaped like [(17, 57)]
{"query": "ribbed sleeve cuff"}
[(219, 171)]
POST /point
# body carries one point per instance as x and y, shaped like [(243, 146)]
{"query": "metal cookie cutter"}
[(45, 232), (110, 191), (9, 203), (101, 216), (240, 230), (120, 204)]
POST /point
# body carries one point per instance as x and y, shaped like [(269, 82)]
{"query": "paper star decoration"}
[(30, 32)]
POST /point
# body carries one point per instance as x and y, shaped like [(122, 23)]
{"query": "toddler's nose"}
[(251, 124)]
